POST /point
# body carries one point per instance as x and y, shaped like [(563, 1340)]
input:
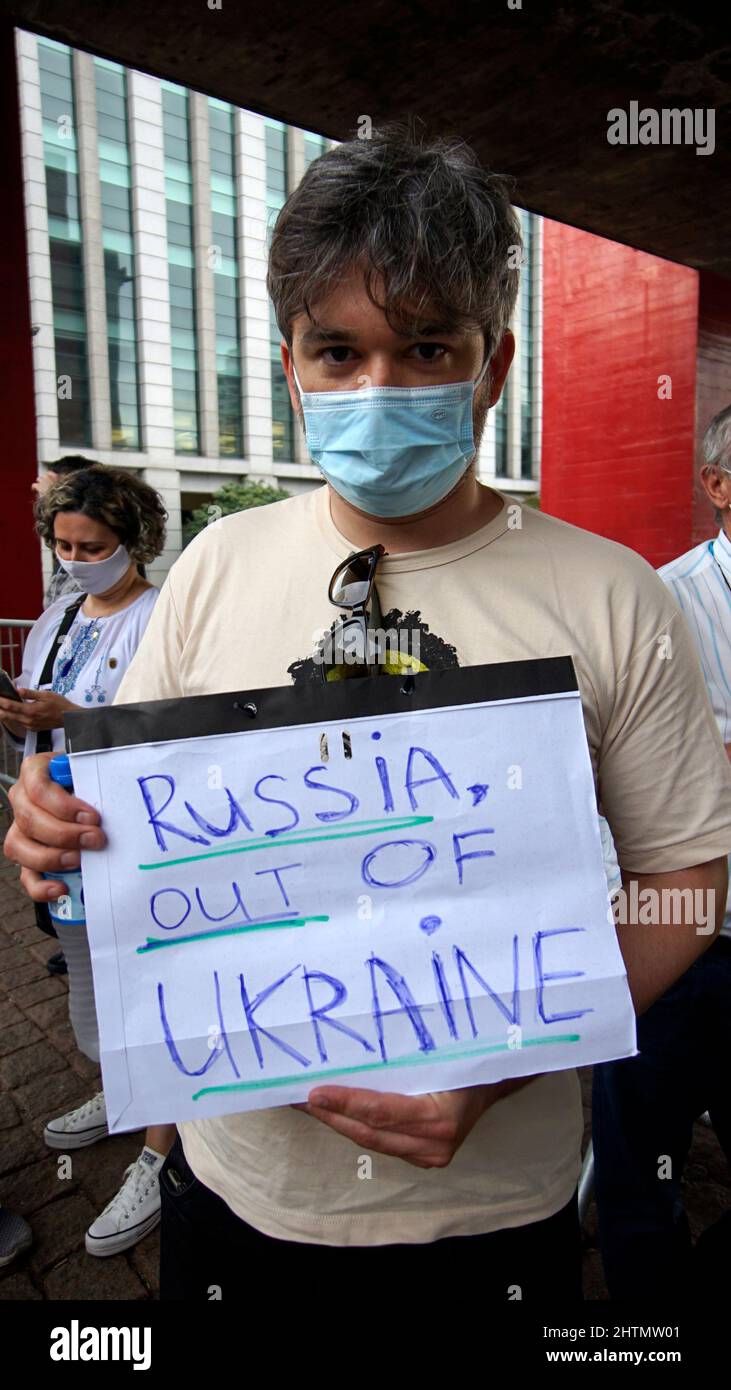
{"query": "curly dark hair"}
[(129, 507)]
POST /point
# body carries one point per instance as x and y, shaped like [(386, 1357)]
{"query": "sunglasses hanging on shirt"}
[(349, 649)]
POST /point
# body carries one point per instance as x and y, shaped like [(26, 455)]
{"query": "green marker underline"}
[(291, 838), (157, 943), (415, 1059)]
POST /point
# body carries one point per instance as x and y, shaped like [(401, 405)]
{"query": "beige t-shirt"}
[(242, 609)]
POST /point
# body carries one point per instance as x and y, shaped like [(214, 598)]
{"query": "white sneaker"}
[(80, 1127), (133, 1212)]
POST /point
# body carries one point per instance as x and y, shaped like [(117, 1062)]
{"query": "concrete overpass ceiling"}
[(530, 88)]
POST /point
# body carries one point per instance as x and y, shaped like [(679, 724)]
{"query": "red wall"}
[(20, 584), (616, 459)]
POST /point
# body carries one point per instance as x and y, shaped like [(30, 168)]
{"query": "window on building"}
[(501, 432), (315, 145), (190, 502), (119, 263), (181, 267), (276, 180), (65, 242), (221, 118), (515, 451)]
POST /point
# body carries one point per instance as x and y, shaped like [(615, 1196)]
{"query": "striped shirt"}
[(697, 580), (700, 581)]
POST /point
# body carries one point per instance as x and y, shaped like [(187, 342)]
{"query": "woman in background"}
[(101, 522)]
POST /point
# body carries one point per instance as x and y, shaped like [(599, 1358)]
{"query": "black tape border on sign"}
[(194, 716)]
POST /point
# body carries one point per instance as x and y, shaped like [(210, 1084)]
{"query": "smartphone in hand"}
[(7, 689)]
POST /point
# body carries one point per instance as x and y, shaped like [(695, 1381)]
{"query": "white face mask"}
[(97, 576)]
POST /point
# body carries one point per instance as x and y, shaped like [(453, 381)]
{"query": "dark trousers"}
[(43, 919), (642, 1121), (206, 1251)]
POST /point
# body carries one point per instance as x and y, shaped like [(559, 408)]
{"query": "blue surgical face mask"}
[(392, 450)]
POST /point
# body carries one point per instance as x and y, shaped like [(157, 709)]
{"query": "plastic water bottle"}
[(68, 909)]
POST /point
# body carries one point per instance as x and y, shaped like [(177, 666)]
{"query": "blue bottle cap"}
[(60, 770)]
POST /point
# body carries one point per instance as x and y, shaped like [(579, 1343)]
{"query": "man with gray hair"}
[(644, 1107), (393, 272), (701, 579)]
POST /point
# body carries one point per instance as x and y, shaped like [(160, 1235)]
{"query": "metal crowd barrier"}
[(13, 634)]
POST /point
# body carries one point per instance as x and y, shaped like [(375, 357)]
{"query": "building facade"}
[(155, 347)]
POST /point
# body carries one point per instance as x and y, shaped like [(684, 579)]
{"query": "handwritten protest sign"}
[(411, 900)]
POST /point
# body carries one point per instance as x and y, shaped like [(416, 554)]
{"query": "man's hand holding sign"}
[(424, 1130)]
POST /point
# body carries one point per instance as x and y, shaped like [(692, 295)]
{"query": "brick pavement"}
[(42, 1074)]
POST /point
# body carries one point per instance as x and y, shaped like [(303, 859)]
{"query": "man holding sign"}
[(393, 272)]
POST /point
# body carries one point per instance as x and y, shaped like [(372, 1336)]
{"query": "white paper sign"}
[(421, 906)]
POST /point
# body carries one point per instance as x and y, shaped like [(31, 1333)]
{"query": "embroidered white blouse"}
[(92, 659)]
